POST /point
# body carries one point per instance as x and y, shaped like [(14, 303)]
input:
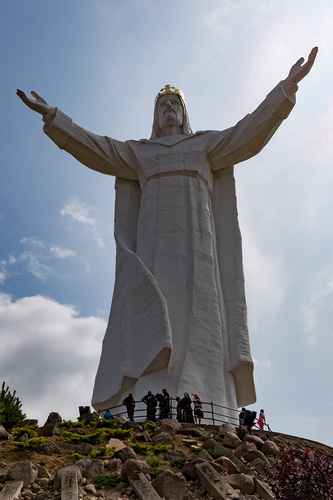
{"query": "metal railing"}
[(213, 413)]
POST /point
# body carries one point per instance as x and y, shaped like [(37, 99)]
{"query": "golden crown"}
[(170, 89)]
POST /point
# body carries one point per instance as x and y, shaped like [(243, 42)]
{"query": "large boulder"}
[(231, 440), (162, 437), (189, 469), (170, 485), (51, 426), (263, 491), (255, 439), (228, 465), (169, 425), (243, 482), (132, 468), (270, 448), (91, 467), (24, 471)]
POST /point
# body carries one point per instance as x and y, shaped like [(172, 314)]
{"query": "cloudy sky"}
[(102, 62)]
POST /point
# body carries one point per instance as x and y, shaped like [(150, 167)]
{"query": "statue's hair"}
[(186, 127)]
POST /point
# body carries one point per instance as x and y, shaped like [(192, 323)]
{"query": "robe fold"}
[(178, 314)]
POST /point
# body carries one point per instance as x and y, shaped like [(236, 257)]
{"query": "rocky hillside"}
[(121, 460)]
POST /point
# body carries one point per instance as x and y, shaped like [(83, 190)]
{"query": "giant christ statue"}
[(178, 314)]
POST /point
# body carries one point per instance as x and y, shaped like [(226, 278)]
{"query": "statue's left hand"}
[(299, 70)]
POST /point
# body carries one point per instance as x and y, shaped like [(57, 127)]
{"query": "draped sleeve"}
[(249, 135), (97, 152)]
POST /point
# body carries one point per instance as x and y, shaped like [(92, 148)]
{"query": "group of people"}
[(248, 419), (162, 403)]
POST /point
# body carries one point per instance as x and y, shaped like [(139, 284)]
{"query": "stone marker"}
[(69, 485), (11, 490), (214, 483), (143, 488)]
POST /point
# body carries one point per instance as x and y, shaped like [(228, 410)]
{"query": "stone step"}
[(11, 490)]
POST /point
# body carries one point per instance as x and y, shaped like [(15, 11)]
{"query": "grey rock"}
[(263, 490), (24, 471), (132, 468), (170, 485), (243, 482)]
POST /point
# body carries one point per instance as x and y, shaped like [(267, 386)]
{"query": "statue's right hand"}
[(37, 102)]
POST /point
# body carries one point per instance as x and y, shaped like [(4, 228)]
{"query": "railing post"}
[(212, 405)]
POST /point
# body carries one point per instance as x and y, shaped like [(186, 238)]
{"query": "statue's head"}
[(170, 110)]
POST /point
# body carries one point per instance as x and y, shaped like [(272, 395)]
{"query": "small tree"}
[(303, 474), (10, 408)]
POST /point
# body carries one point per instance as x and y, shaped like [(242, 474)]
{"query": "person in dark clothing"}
[(198, 413), (151, 402), (166, 404), (187, 408), (179, 410), (249, 420), (130, 406), (241, 417)]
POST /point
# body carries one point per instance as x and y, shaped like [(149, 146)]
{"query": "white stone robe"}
[(178, 315)]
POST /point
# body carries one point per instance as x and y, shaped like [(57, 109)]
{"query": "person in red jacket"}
[(261, 420)]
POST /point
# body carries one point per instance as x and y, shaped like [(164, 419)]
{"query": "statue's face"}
[(170, 111)]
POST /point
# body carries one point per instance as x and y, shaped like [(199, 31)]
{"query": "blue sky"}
[(102, 63)]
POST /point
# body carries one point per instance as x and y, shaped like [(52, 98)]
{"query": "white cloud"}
[(49, 354), (62, 253), (81, 213)]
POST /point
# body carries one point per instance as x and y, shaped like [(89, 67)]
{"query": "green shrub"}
[(76, 456), (33, 444), (10, 408), (141, 448), (17, 432), (108, 481), (150, 426), (96, 437)]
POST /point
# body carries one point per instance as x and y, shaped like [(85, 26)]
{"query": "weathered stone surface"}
[(255, 439), (170, 485), (113, 465), (162, 437), (260, 465), (243, 482), (143, 488), (51, 424), (270, 448), (169, 425), (231, 440), (249, 452), (11, 490), (69, 483), (189, 469), (264, 491), (214, 483), (91, 467), (229, 466), (4, 435), (132, 468), (223, 428), (90, 488), (24, 471), (116, 444), (126, 453)]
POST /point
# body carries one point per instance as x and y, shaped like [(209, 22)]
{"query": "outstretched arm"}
[(250, 134), (97, 152)]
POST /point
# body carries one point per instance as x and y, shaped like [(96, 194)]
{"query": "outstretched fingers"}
[(22, 95), (38, 97), (311, 59)]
